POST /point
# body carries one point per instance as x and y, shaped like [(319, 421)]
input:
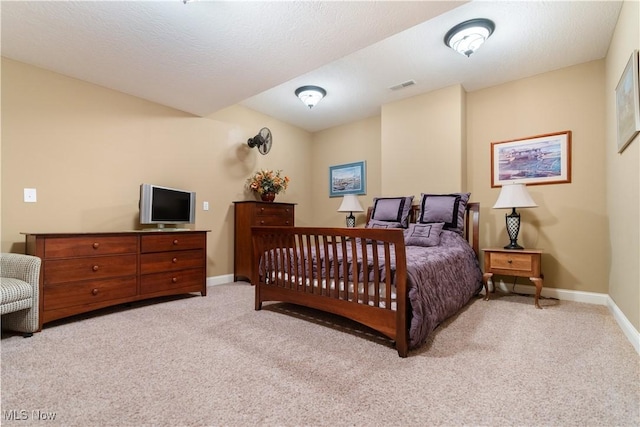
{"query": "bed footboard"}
[(359, 274)]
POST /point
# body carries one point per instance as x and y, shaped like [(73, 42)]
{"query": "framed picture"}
[(541, 159), (349, 178), (628, 103)]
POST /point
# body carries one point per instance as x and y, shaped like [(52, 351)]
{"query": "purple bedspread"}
[(441, 280)]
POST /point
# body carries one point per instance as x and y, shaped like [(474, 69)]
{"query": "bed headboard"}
[(471, 223)]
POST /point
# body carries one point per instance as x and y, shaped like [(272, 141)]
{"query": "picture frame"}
[(540, 159), (349, 178), (628, 103)]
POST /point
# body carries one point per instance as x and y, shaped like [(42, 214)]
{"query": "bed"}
[(412, 267)]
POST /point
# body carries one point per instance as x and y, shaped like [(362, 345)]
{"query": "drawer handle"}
[(94, 291), (174, 280), (174, 260), (510, 261), (175, 242), (261, 209), (96, 245), (261, 222), (95, 268)]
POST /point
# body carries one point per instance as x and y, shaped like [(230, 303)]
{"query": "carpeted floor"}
[(216, 361)]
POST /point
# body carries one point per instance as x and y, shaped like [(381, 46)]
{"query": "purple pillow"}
[(447, 208), (423, 234), (383, 224), (394, 209)]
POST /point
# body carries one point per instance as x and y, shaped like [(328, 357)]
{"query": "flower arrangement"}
[(268, 181)]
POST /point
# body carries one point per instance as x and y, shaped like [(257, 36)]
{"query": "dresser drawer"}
[(88, 292), (274, 210), (63, 247), (274, 221), (172, 242), (171, 261), (158, 282), (91, 268), (511, 261)]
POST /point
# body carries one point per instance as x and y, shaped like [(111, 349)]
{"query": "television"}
[(163, 205)]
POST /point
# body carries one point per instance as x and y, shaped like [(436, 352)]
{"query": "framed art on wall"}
[(540, 159), (349, 178), (628, 103)]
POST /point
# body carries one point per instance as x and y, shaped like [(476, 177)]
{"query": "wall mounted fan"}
[(262, 140)]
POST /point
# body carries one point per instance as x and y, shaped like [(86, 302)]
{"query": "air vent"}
[(403, 85)]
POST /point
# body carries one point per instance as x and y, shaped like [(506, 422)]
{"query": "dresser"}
[(82, 272), (252, 213)]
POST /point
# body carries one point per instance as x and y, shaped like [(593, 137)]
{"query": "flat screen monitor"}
[(163, 205)]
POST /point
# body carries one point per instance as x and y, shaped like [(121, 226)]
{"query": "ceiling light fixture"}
[(468, 36), (310, 95)]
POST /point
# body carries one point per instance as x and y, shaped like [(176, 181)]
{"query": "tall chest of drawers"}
[(88, 271), (252, 213)]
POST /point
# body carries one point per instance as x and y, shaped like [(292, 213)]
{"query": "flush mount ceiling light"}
[(310, 95), (468, 36)]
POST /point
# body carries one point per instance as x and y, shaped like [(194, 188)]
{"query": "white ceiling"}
[(203, 56)]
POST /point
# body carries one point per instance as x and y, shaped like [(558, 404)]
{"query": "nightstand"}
[(519, 263)]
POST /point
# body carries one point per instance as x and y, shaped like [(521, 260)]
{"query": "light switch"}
[(30, 195), (205, 206)]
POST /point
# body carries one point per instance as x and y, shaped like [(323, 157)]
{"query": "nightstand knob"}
[(94, 291), (510, 261), (95, 268), (174, 260), (175, 242), (96, 245), (174, 280)]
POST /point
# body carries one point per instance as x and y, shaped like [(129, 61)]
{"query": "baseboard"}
[(587, 297), (220, 280), (627, 328)]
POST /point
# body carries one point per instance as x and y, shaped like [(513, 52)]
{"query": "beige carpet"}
[(216, 361)]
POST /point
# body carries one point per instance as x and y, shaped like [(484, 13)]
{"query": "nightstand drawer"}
[(522, 262)]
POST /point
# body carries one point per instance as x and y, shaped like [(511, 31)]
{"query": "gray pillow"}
[(395, 209), (423, 234), (447, 208)]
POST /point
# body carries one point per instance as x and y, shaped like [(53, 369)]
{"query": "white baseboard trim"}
[(587, 297), (627, 328), (220, 280)]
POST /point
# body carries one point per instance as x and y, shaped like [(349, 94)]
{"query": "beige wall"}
[(86, 150), (358, 141), (570, 224), (623, 177), (422, 144)]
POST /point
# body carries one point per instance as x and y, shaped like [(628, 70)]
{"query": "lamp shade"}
[(350, 203), (514, 196)]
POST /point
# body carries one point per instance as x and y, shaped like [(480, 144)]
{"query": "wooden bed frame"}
[(376, 309)]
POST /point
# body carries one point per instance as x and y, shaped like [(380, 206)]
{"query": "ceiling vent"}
[(403, 85)]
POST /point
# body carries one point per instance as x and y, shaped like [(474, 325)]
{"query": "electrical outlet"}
[(205, 206), (30, 195)]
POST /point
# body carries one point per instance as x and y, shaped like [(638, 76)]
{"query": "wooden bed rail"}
[(335, 270)]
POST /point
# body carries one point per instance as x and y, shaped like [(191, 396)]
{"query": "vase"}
[(268, 197)]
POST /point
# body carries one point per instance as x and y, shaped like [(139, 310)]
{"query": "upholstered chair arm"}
[(19, 266)]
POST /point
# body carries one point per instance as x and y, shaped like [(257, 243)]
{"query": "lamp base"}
[(351, 220), (513, 228), (514, 246)]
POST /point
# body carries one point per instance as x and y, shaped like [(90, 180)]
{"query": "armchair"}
[(19, 292)]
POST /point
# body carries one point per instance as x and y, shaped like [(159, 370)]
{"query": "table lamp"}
[(350, 204), (514, 196)]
